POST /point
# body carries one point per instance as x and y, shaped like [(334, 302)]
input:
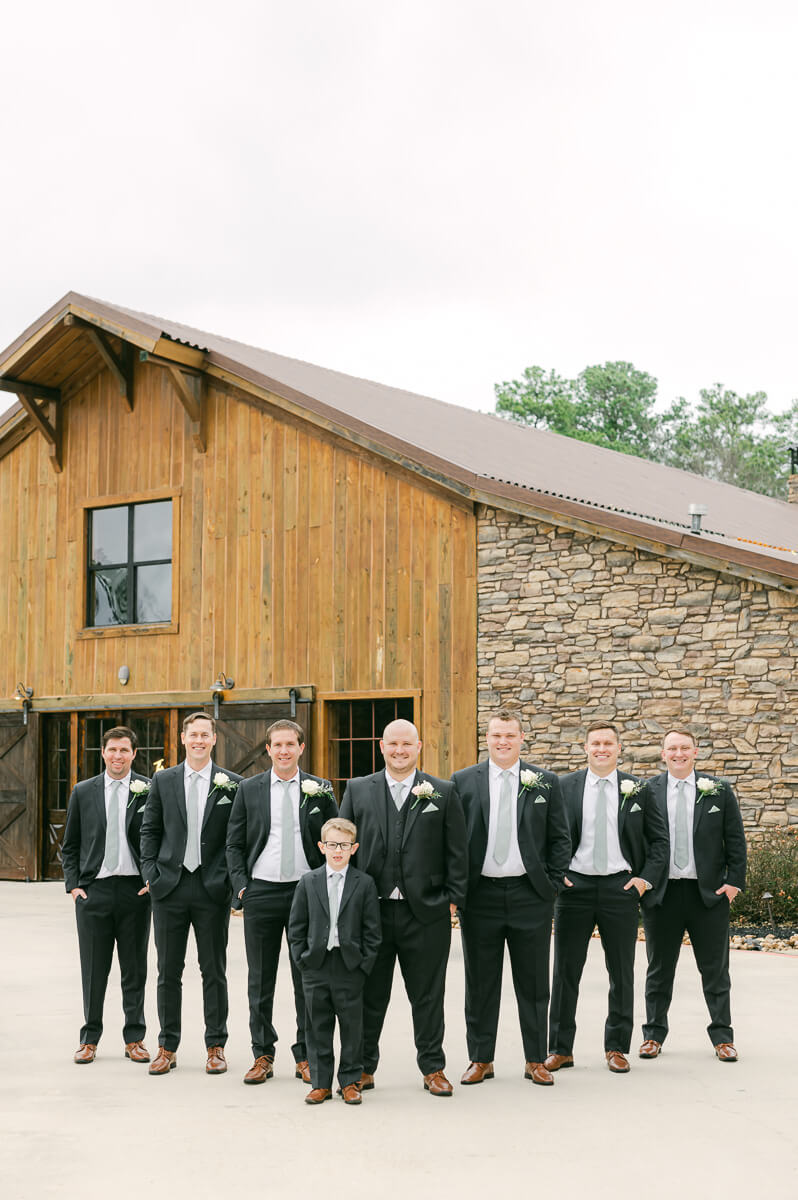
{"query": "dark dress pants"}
[(506, 912), (187, 906), (266, 909), (113, 914), (594, 900), (682, 910), (423, 952), (331, 991)]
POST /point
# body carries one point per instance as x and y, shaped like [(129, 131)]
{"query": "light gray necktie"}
[(501, 847), (191, 859), (287, 868), (681, 850), (335, 904), (398, 793), (111, 860), (600, 838)]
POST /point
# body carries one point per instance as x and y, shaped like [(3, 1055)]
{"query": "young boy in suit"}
[(334, 933)]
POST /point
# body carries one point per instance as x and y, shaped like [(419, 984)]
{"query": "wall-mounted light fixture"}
[(25, 694), (123, 675), (219, 685)]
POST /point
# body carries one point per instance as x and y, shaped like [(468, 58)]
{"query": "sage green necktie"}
[(600, 838), (335, 904), (191, 859), (111, 859), (501, 847), (287, 862), (681, 849)]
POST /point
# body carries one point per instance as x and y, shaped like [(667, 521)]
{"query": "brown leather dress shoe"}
[(538, 1073), (302, 1071), (617, 1062), (261, 1070), (650, 1049), (217, 1063), (351, 1094), (475, 1072), (726, 1052), (164, 1062), (85, 1053), (366, 1082), (137, 1052), (318, 1096), (437, 1084), (558, 1062)]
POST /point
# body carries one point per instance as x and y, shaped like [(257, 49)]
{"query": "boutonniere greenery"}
[(424, 791), (312, 787), (138, 787), (706, 787), (629, 788), (224, 782), (532, 779)]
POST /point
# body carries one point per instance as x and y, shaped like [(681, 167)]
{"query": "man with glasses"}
[(334, 934), (272, 841)]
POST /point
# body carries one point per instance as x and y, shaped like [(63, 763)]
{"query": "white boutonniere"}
[(424, 791), (629, 788), (138, 787), (706, 787), (312, 787), (224, 782), (532, 779)]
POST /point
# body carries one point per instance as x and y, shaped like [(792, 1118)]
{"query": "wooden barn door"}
[(241, 735), (19, 797)]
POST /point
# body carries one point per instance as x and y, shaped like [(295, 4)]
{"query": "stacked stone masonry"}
[(573, 628)]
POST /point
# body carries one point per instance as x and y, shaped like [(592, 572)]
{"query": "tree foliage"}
[(725, 436)]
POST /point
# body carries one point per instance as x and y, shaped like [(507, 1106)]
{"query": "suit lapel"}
[(622, 807), (576, 801), (483, 789), (321, 890), (415, 807), (213, 795), (265, 804), (700, 801), (98, 799), (179, 788), (132, 803), (350, 884), (303, 810), (380, 795)]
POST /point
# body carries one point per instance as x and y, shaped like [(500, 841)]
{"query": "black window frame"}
[(130, 565)]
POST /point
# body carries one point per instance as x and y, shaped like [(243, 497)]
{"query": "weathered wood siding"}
[(300, 559)]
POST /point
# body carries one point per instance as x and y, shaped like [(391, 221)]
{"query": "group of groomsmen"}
[(504, 844)]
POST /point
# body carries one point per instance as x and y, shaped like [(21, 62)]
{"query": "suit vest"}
[(390, 876)]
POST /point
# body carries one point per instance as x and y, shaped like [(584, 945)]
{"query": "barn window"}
[(130, 564), (354, 731)]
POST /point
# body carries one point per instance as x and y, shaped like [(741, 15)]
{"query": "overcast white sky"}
[(433, 194)]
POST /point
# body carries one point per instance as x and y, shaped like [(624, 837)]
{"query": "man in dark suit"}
[(518, 851), (182, 859), (334, 934), (707, 856), (619, 846), (413, 844), (101, 862), (272, 841)]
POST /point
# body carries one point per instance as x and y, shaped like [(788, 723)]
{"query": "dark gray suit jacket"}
[(359, 928), (83, 848)]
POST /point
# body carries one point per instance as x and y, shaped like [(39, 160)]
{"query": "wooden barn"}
[(186, 521)]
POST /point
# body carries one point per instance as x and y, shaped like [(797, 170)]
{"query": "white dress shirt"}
[(267, 864), (514, 866), (126, 865), (688, 872), (340, 886), (203, 787), (403, 786), (582, 861)]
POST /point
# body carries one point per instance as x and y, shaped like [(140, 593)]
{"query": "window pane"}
[(108, 536), (152, 531), (109, 602), (154, 593)]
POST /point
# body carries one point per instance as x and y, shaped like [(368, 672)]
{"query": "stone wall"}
[(573, 628)]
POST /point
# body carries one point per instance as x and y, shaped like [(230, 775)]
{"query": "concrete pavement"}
[(681, 1126)]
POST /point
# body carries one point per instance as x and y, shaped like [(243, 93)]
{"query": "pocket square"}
[(540, 799), (314, 810), (714, 808), (140, 809), (224, 800), (431, 808), (635, 808)]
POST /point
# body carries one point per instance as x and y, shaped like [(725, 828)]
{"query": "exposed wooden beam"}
[(120, 365), (33, 391), (194, 402), (49, 429), (187, 356), (306, 693)]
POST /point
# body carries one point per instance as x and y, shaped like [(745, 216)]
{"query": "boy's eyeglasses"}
[(339, 845)]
